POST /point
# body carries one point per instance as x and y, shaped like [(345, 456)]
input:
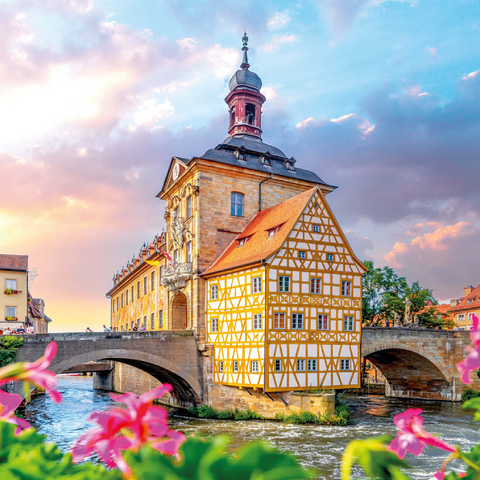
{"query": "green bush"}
[(205, 411), (469, 393), (225, 414), (8, 349)]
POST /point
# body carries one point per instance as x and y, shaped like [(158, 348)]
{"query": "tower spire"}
[(245, 65)]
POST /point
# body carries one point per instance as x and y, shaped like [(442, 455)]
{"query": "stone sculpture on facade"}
[(396, 320), (175, 278), (407, 320)]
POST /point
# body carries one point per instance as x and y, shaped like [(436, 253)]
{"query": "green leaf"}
[(473, 403), (376, 461), (211, 460)]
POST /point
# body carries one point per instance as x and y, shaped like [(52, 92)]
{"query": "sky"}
[(381, 98)]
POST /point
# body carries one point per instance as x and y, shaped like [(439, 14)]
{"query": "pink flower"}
[(441, 476), (9, 402), (472, 362), (412, 437), (35, 373), (141, 423)]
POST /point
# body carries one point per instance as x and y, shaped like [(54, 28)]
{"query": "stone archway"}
[(411, 374), (187, 390), (179, 312)]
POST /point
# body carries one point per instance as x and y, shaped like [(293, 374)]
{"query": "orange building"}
[(465, 308)]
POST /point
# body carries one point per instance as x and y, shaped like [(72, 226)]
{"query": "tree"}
[(384, 294)]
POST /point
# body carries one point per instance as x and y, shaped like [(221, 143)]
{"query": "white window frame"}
[(322, 321), (175, 257), (278, 365), (214, 325), (256, 284), (302, 254), (152, 321), (126, 297), (235, 366), (318, 285), (281, 315), (189, 206), (330, 257), (315, 228), (345, 364), (350, 326), (189, 252), (254, 366), (461, 317), (214, 292), (470, 316), (284, 283), (152, 278), (346, 288), (10, 314), (257, 321), (160, 319), (312, 365), (11, 286), (300, 365), (297, 319), (145, 285), (220, 366), (237, 203)]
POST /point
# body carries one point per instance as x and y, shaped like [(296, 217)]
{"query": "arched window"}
[(237, 201), (250, 114)]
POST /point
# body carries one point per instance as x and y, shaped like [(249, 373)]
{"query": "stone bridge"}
[(418, 363), (170, 357)]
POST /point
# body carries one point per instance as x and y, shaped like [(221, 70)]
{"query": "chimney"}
[(467, 291), (453, 302)]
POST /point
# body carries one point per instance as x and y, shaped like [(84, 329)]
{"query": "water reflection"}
[(316, 446)]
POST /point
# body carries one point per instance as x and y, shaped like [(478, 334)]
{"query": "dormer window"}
[(250, 113), (290, 164), (274, 230), (470, 300), (242, 241), (266, 159), (240, 154)]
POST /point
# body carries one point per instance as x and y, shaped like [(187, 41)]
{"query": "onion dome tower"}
[(245, 100)]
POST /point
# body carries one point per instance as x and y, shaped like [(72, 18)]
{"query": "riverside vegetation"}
[(339, 417)]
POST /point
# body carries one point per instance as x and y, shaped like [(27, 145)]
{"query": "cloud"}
[(436, 240), (277, 41), (278, 21), (432, 51), (340, 15)]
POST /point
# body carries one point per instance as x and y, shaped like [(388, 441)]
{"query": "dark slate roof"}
[(245, 78), (254, 148)]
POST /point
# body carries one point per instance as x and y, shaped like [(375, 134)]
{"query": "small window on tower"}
[(232, 116), (250, 114)]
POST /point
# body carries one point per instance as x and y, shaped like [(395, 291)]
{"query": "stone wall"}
[(223, 397), (130, 379)]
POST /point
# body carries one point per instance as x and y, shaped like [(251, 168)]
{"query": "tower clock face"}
[(176, 171)]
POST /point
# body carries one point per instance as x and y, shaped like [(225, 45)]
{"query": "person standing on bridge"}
[(89, 330), (106, 329)]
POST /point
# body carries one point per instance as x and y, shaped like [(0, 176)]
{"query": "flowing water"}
[(320, 447)]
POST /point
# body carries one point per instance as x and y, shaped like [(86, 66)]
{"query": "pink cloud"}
[(391, 257), (436, 239)]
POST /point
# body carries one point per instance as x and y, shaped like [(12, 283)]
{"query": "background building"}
[(14, 293), (465, 308)]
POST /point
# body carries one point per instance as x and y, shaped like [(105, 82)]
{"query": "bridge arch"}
[(409, 371), (186, 388)]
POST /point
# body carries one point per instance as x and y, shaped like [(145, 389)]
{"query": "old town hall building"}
[(252, 260)]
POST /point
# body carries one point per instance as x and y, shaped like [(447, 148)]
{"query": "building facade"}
[(14, 293), (252, 260), (465, 308)]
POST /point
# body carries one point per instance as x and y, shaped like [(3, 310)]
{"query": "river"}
[(318, 446)]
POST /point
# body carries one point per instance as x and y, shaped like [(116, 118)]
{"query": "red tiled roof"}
[(465, 305), (14, 262), (259, 246)]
